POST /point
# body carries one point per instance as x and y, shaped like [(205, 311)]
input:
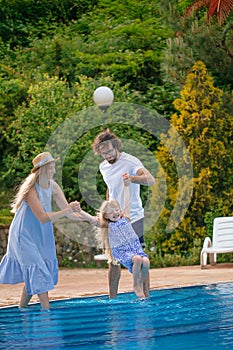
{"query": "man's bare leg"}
[(25, 298), (114, 274), (146, 286)]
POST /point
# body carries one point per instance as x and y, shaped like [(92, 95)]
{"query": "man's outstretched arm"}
[(143, 177)]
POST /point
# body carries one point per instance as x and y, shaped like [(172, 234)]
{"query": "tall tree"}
[(195, 39), (222, 9), (206, 129)]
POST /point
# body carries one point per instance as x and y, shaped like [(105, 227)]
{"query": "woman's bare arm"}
[(62, 203), (41, 215)]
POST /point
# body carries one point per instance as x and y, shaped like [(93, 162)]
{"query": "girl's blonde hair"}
[(103, 231), (23, 190)]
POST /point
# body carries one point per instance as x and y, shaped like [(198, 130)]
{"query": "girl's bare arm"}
[(61, 201), (126, 180)]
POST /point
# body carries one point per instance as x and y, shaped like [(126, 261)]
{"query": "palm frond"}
[(222, 8), (196, 6)]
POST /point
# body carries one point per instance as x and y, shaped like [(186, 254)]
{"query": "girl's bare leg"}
[(25, 298), (137, 265), (44, 300)]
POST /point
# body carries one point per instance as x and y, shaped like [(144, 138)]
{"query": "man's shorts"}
[(138, 227)]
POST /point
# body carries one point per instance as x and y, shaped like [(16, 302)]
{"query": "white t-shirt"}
[(112, 175)]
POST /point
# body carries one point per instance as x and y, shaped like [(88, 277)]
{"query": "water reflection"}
[(171, 319)]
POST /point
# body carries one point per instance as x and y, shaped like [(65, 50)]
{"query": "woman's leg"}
[(25, 298), (44, 300), (137, 266)]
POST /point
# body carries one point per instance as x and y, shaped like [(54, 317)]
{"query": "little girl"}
[(119, 240)]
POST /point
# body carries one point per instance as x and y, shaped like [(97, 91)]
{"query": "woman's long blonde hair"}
[(103, 231), (23, 190)]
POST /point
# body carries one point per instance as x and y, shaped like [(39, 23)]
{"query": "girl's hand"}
[(126, 179), (75, 206)]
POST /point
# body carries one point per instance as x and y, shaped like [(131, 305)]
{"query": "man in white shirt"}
[(115, 164)]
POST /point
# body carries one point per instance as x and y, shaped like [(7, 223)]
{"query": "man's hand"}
[(126, 179)]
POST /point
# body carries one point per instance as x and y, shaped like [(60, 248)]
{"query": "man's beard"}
[(112, 161)]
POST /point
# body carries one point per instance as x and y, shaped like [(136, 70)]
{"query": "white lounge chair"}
[(101, 257), (222, 241)]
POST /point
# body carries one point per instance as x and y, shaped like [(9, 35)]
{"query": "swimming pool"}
[(181, 318)]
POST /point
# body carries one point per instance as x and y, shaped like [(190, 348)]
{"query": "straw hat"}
[(42, 159)]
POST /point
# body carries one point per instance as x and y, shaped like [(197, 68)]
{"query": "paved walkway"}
[(86, 282)]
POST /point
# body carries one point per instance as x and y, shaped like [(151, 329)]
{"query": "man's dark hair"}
[(106, 136)]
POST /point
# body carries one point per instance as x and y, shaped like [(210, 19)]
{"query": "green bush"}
[(206, 129), (5, 215), (23, 19)]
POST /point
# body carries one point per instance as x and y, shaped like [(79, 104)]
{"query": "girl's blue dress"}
[(31, 252), (124, 242)]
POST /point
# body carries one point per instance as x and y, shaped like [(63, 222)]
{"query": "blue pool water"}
[(180, 318)]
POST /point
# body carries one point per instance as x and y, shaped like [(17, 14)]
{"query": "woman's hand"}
[(95, 221), (75, 206)]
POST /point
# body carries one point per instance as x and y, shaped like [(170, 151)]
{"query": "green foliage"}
[(105, 41), (81, 179), (42, 76), (129, 53), (5, 214), (49, 103), (160, 259), (13, 92), (195, 39), (52, 107), (120, 10), (53, 56), (21, 19), (210, 216), (206, 130)]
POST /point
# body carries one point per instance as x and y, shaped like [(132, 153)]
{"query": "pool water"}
[(180, 318)]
